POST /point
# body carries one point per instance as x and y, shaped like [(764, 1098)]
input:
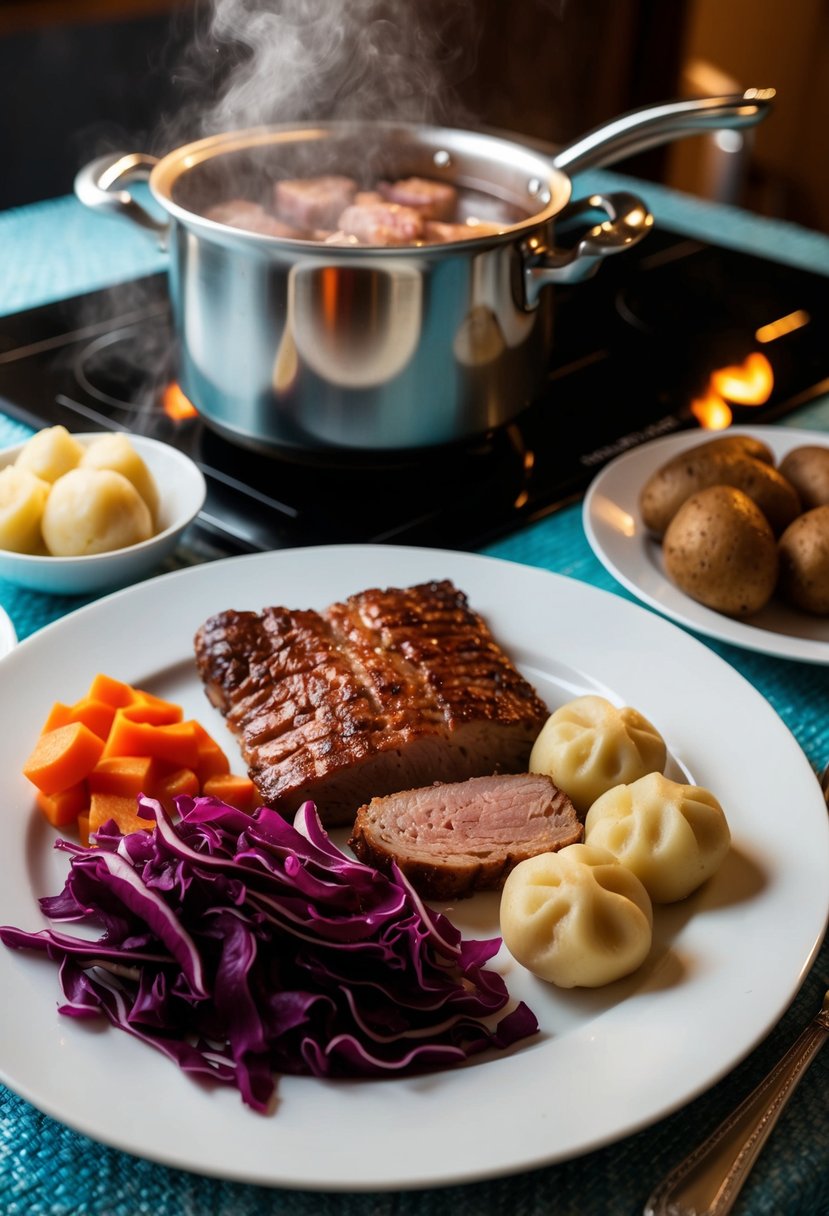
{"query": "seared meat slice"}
[(381, 223), (451, 840), (313, 202), (387, 691), (434, 200)]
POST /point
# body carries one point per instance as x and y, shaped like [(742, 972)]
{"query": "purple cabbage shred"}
[(243, 946)]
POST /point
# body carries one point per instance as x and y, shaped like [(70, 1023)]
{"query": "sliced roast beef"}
[(453, 839), (389, 690)]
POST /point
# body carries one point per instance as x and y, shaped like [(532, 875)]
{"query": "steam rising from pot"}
[(299, 60)]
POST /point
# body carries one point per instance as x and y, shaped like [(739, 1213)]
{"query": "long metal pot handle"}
[(652, 125), (100, 185), (628, 219)]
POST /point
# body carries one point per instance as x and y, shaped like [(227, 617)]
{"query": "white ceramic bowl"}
[(182, 492)]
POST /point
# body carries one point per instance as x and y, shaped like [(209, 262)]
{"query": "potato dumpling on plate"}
[(671, 835), (576, 918), (94, 511), (720, 549), (589, 745)]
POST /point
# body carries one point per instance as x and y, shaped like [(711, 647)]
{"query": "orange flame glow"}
[(749, 383), (176, 405), (746, 383), (711, 412)]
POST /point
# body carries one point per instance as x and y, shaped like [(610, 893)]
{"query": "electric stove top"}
[(672, 335)]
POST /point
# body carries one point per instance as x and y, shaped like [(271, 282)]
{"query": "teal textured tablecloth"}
[(58, 248)]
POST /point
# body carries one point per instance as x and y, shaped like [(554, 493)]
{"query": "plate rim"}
[(8, 633), (355, 556), (679, 607)]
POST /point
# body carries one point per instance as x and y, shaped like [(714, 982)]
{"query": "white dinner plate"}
[(8, 637), (622, 544), (605, 1063)]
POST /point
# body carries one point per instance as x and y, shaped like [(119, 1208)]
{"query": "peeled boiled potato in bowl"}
[(88, 512)]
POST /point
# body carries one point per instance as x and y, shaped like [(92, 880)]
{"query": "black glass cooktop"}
[(672, 335)]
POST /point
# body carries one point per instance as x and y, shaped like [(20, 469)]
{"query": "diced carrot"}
[(128, 776), (171, 785), (115, 692), (58, 715), (63, 757), (157, 711), (63, 807), (234, 789), (175, 742), (83, 827), (95, 714), (123, 810), (212, 760)]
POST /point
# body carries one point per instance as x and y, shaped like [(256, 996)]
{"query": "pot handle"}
[(629, 220), (650, 126), (100, 185)]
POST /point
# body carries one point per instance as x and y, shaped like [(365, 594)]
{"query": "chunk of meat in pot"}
[(382, 224), (313, 202), (434, 200), (439, 233), (252, 217)]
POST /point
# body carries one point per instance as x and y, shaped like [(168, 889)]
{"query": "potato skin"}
[(807, 468), (668, 488), (719, 549), (804, 562)]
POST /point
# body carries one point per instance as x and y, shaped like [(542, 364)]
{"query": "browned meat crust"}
[(451, 840), (390, 690)]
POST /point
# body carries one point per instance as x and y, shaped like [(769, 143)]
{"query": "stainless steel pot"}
[(303, 348)]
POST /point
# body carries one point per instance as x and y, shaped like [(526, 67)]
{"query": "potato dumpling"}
[(116, 452), (697, 469), (94, 511), (719, 549), (588, 745), (22, 499), (672, 836), (807, 468), (804, 562), (576, 917), (50, 453)]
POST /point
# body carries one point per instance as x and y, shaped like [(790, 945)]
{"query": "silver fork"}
[(709, 1180)]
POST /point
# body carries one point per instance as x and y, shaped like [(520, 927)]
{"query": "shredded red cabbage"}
[(242, 946)]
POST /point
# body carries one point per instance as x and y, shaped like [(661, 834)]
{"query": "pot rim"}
[(543, 181)]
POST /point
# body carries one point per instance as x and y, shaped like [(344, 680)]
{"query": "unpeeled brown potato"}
[(804, 562), (94, 511), (719, 549), (807, 468), (709, 465)]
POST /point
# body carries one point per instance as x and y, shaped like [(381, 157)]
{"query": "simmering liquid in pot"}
[(334, 210), (273, 193)]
